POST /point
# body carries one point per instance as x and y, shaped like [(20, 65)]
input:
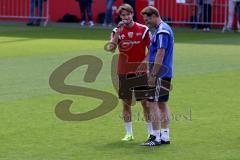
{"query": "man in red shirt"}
[(132, 40)]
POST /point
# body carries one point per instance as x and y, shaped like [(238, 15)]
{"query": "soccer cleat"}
[(128, 137), (151, 142), (150, 137), (165, 142)]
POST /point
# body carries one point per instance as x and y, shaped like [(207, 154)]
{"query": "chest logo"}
[(130, 34)]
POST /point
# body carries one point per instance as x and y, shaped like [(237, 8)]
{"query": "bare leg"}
[(127, 112), (165, 119), (165, 114), (147, 117), (155, 118), (127, 117), (146, 111)]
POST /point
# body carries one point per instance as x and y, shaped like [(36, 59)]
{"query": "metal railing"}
[(32, 10), (193, 12)]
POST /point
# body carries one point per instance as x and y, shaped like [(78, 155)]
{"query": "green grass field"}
[(207, 76)]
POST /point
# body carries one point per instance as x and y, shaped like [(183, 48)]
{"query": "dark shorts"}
[(160, 93), (132, 84)]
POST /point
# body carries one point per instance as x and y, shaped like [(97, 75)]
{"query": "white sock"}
[(128, 127), (149, 127), (156, 133), (165, 134)]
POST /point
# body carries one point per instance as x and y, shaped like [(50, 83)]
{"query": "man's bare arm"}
[(156, 67)]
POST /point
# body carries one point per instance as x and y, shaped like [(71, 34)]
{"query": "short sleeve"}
[(163, 39), (113, 34)]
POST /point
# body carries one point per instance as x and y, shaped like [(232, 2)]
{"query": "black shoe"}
[(33, 24), (151, 142), (30, 24), (165, 142), (151, 137)]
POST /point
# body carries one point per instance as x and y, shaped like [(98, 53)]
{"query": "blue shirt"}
[(163, 37)]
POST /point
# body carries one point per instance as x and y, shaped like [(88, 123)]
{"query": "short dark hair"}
[(125, 7), (149, 11)]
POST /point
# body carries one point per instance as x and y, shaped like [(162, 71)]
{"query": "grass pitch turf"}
[(204, 102)]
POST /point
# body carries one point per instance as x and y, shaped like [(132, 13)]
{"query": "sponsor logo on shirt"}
[(131, 42), (138, 34)]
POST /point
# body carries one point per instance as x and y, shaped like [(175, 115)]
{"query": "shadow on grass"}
[(134, 147), (18, 40), (55, 33)]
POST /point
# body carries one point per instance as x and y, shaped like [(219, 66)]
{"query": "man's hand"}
[(120, 27), (118, 31), (141, 68), (152, 81), (110, 47)]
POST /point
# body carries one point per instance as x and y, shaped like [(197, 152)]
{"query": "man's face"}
[(126, 16), (149, 20)]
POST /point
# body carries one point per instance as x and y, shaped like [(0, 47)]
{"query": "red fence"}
[(177, 12), (59, 8)]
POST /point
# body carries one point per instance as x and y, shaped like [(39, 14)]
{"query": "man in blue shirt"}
[(160, 61)]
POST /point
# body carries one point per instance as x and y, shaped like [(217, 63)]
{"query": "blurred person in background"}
[(86, 6), (231, 8), (204, 11), (133, 4), (207, 14), (35, 4), (108, 20), (199, 13)]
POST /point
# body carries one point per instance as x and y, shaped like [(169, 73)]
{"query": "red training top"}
[(132, 45)]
